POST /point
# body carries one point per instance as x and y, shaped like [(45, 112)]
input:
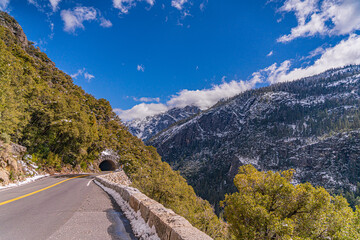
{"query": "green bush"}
[(268, 206), (5, 137)]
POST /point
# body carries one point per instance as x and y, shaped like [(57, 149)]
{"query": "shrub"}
[(268, 206)]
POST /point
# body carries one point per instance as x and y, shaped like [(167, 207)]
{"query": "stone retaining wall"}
[(168, 225)]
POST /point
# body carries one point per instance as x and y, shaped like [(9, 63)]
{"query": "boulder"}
[(4, 177)]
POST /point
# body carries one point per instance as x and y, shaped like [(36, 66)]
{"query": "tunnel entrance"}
[(107, 165)]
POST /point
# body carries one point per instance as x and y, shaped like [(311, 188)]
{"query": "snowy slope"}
[(311, 125), (150, 126)]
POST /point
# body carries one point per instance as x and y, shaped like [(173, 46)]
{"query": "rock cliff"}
[(7, 21)]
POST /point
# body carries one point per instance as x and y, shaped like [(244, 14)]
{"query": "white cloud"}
[(208, 97), (54, 4), (36, 4), (178, 4), (273, 73), (52, 26), (141, 111), (125, 5), (201, 98), (4, 4), (318, 51), (43, 5), (146, 99), (140, 68), (203, 5), (105, 23), (74, 19), (78, 73), (345, 53), (151, 2), (322, 17), (302, 8), (88, 76), (82, 72), (270, 54)]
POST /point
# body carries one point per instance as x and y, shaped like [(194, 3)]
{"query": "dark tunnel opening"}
[(107, 165)]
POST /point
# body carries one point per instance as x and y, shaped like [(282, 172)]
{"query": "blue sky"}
[(146, 56)]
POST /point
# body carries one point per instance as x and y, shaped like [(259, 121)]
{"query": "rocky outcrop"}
[(7, 21), (4, 177), (168, 225), (10, 170), (18, 150)]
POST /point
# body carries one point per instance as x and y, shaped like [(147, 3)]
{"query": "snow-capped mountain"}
[(150, 126), (311, 125)]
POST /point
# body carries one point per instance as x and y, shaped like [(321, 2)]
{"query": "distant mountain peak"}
[(152, 125)]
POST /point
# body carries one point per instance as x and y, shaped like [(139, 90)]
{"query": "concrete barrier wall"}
[(168, 225)]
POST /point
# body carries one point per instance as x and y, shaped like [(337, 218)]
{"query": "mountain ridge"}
[(148, 127), (271, 128)]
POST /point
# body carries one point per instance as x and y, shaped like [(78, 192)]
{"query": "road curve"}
[(61, 207)]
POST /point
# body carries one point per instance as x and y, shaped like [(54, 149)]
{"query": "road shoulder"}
[(97, 218)]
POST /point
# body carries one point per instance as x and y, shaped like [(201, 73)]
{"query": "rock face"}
[(311, 125), (150, 126), (7, 21), (10, 170)]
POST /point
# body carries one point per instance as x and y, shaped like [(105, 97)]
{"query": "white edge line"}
[(88, 184)]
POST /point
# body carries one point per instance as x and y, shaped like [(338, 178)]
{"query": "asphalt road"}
[(61, 207)]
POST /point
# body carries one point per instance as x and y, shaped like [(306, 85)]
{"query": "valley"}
[(309, 125)]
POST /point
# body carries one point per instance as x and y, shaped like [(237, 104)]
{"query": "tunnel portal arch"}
[(108, 161), (107, 165)]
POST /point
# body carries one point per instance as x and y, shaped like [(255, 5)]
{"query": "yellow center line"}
[(43, 189)]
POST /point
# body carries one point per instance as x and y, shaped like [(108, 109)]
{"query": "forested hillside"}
[(63, 126)]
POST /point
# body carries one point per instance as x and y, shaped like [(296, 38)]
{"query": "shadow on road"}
[(86, 176)]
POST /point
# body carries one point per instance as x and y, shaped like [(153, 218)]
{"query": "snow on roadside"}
[(27, 180), (140, 228), (29, 167)]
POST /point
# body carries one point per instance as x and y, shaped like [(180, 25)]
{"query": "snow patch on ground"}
[(246, 161), (27, 180), (106, 152), (140, 228), (29, 167)]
